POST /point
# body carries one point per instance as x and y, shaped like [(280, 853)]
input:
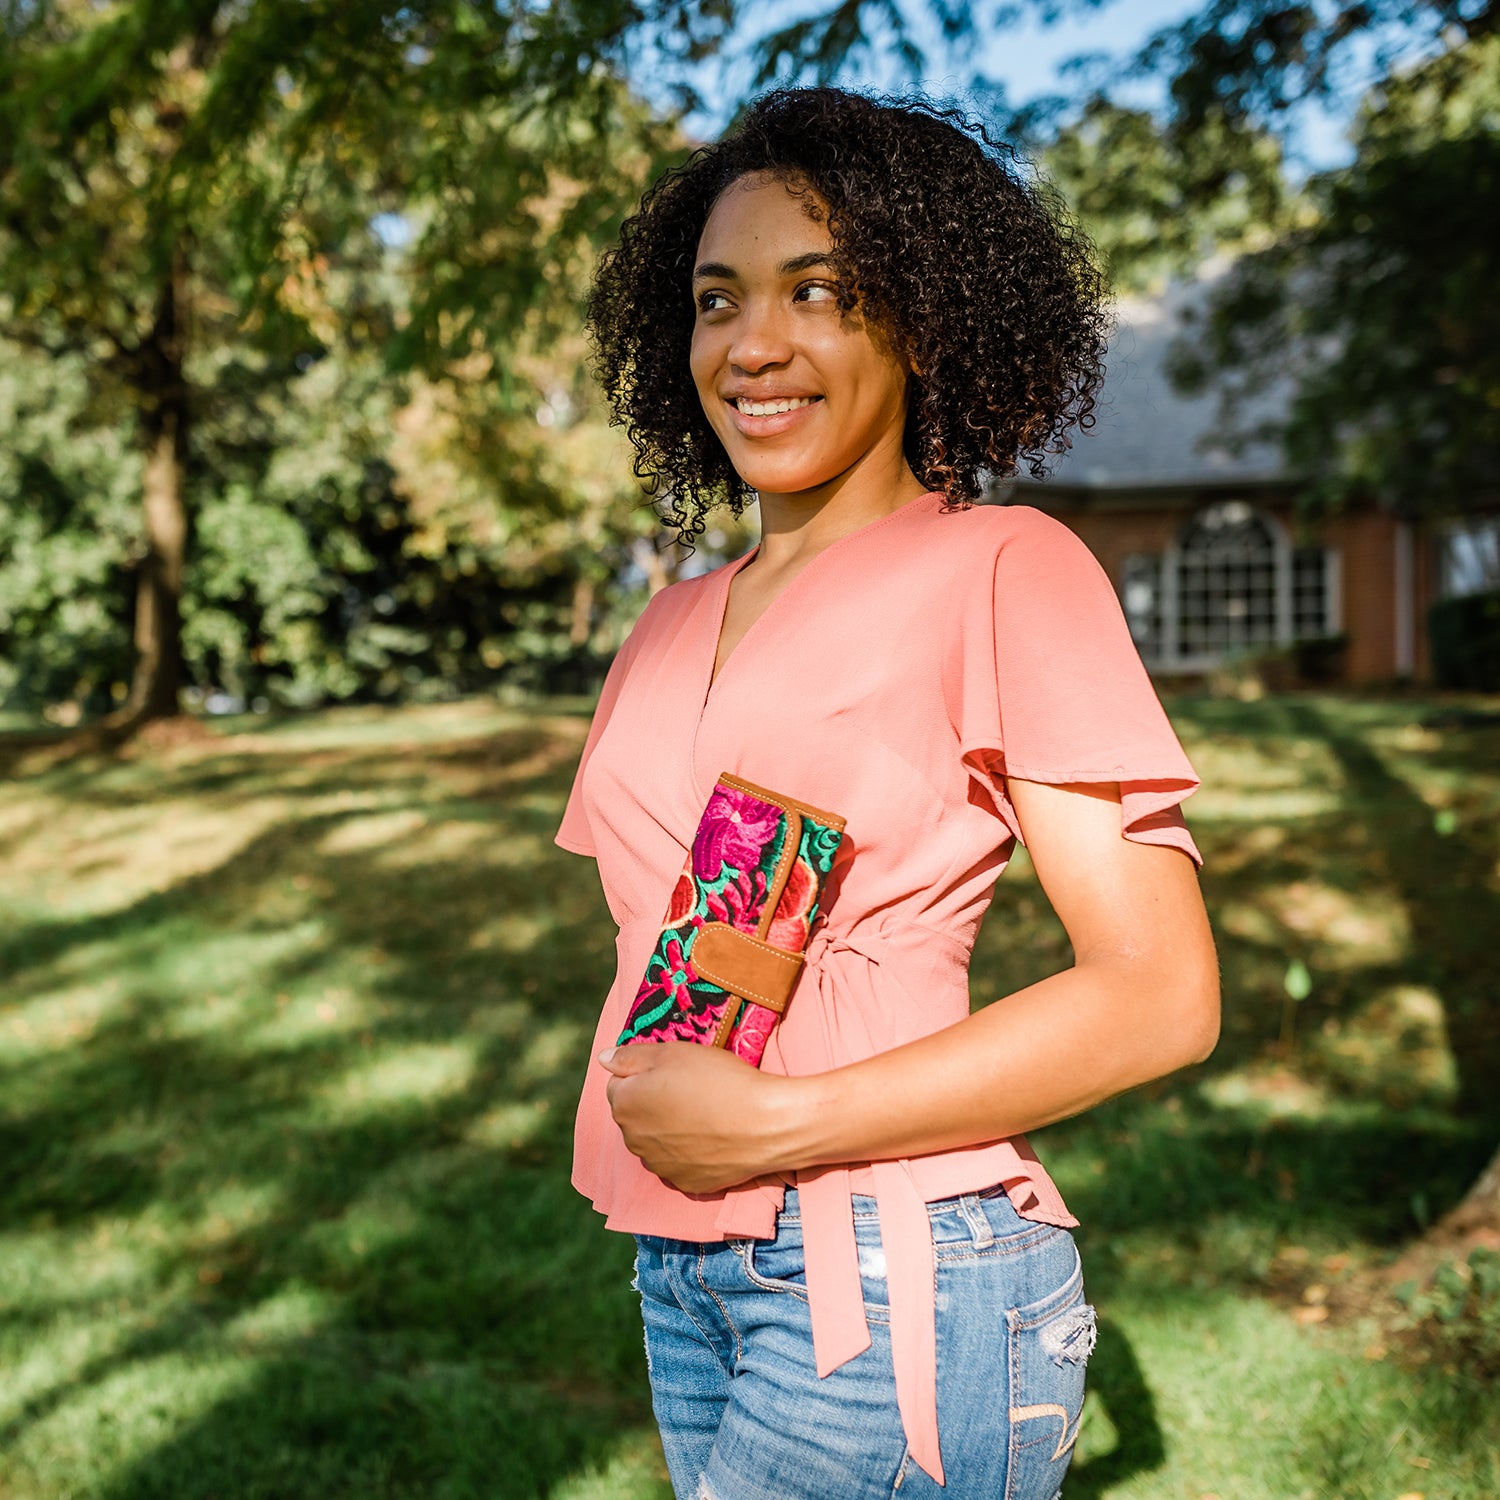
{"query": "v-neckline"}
[(726, 575)]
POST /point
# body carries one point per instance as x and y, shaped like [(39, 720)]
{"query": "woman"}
[(856, 1277)]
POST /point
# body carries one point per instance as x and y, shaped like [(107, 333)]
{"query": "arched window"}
[(1229, 577), (1230, 584)]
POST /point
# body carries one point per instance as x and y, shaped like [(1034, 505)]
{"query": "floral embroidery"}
[(727, 878), (734, 829), (684, 899), (794, 912)]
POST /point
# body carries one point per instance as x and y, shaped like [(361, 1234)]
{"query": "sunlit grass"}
[(291, 1033)]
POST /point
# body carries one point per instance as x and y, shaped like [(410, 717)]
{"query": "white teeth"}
[(770, 408)]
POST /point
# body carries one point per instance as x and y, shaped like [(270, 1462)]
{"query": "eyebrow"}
[(718, 271)]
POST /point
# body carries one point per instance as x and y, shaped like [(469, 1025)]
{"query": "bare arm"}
[(1141, 1000)]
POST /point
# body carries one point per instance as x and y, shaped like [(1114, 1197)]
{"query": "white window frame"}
[(1170, 656)]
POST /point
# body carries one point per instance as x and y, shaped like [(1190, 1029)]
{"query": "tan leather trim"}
[(780, 799), (791, 842), (745, 965)]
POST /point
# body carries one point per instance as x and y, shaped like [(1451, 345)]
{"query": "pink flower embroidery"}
[(735, 827), (739, 901), (676, 974), (752, 1033)]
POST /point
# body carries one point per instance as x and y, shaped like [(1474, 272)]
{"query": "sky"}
[(1026, 59)]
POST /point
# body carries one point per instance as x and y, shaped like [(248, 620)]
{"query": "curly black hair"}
[(978, 276)]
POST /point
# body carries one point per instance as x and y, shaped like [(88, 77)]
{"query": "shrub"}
[(1465, 638)]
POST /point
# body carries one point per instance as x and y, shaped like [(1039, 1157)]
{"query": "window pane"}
[(1227, 581), (1310, 568), (1470, 557), (1140, 595)]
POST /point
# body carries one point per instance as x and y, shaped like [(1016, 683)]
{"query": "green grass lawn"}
[(291, 1028)]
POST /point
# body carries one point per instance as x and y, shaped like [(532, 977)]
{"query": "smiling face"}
[(799, 393)]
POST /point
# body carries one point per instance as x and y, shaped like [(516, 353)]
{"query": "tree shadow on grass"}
[(1444, 880), (322, 1108), (415, 1302)]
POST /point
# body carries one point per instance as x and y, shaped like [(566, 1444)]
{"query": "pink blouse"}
[(898, 679)]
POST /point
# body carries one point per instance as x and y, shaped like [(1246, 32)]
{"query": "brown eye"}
[(708, 301)]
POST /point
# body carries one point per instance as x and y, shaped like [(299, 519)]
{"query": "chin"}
[(765, 475)]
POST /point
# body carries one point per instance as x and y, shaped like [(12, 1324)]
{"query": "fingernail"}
[(608, 1053)]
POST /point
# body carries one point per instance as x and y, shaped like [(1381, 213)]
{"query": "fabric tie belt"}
[(834, 1289)]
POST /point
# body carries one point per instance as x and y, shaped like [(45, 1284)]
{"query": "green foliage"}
[(1381, 313), (68, 524), (1157, 200), (1253, 60), (1458, 1312), (319, 571), (188, 202), (1465, 642)]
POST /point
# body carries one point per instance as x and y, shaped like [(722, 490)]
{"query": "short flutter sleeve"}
[(1054, 690), (573, 832)]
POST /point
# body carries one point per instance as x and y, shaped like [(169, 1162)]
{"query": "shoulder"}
[(666, 608), (671, 601), (1020, 540), (1022, 528), (675, 599)]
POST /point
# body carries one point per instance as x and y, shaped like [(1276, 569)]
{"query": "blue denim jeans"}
[(744, 1416)]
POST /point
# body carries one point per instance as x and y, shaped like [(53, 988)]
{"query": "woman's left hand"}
[(699, 1117)]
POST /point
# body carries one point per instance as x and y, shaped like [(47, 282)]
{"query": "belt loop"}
[(973, 1214)]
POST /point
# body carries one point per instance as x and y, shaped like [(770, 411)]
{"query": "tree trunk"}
[(582, 627), (650, 561), (1477, 1214), (158, 599), (157, 679)]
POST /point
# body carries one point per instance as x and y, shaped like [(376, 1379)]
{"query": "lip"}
[(777, 422)]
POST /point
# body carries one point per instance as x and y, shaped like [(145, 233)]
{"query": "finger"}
[(622, 1061)]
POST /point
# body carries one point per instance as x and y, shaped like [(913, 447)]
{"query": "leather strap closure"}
[(745, 965)]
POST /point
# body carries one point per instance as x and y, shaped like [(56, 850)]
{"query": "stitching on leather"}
[(776, 887), (735, 988), (774, 1002)]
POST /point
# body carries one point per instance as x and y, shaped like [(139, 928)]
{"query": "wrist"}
[(798, 1122)]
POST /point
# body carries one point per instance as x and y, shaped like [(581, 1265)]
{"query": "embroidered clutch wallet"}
[(731, 945)]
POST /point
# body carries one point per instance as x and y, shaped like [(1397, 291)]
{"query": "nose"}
[(761, 338)]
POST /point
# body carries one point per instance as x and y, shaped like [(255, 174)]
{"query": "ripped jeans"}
[(744, 1416)]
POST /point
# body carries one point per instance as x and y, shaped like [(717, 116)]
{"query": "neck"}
[(803, 522)]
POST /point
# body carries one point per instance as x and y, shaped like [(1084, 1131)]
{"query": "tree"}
[(1157, 200), (177, 176), (1383, 305)]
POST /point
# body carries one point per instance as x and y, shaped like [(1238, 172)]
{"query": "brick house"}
[(1206, 548)]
